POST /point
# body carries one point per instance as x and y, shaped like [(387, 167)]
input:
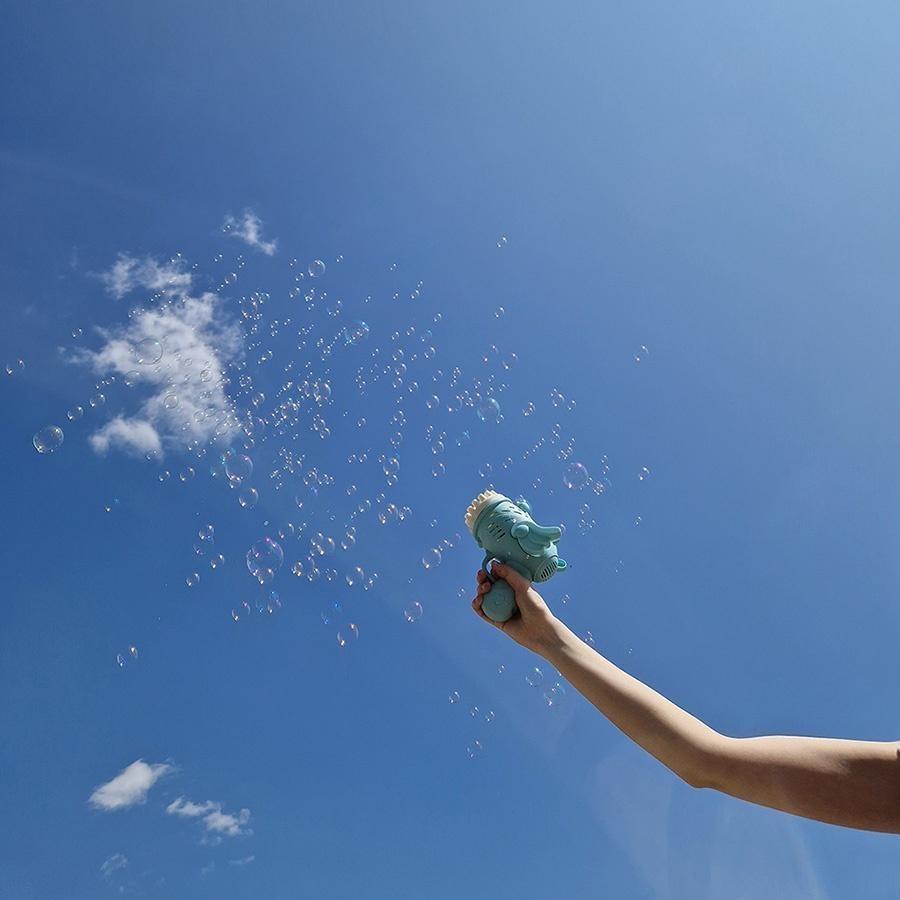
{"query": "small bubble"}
[(413, 612), (192, 580), (474, 749), (431, 558), (316, 268), (534, 677), (502, 241), (347, 635), (454, 697)]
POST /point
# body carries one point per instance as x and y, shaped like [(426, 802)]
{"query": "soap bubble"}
[(555, 695), (356, 332), (644, 474), (502, 241), (120, 660), (499, 312), (49, 439), (535, 677), (75, 413), (488, 410), (576, 476), (192, 580), (316, 268), (264, 559), (413, 612), (248, 497), (474, 749), (641, 354), (454, 697), (431, 559), (347, 635), (237, 465), (528, 409), (147, 352)]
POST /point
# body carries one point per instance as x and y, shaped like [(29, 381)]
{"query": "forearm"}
[(676, 738), (851, 783)]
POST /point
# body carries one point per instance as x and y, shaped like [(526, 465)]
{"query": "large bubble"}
[(148, 351), (264, 559), (48, 439)]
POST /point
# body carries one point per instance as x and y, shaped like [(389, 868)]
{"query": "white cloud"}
[(128, 273), (136, 435), (249, 229), (216, 822), (129, 787), (179, 351), (112, 865), (243, 861)]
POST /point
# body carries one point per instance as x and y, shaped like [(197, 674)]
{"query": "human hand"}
[(533, 626)]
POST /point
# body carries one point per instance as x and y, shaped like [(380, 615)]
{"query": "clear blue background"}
[(716, 181)]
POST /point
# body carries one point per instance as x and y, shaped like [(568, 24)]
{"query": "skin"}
[(842, 782)]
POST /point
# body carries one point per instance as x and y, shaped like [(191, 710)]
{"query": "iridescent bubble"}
[(413, 612), (474, 749), (120, 660), (555, 695), (316, 268), (528, 409), (485, 470), (192, 580), (97, 400), (499, 312), (170, 401), (347, 635), (535, 677), (237, 465), (356, 332), (644, 474), (576, 476), (48, 439), (217, 561), (147, 352), (75, 413), (489, 717), (488, 410), (264, 559), (502, 241), (641, 354), (133, 652), (454, 697), (248, 497), (431, 558)]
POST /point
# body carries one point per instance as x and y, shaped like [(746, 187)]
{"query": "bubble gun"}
[(506, 531)]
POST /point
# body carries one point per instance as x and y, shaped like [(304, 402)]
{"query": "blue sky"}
[(716, 183)]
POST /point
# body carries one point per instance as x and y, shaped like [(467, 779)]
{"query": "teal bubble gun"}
[(506, 531)]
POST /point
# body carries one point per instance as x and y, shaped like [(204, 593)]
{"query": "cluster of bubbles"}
[(306, 405)]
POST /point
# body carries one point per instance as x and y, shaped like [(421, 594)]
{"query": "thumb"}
[(517, 582)]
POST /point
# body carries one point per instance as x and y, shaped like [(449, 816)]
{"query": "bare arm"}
[(852, 783)]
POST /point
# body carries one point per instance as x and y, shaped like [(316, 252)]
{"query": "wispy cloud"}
[(248, 229), (178, 350), (115, 863), (128, 273), (243, 861), (216, 821), (129, 787)]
